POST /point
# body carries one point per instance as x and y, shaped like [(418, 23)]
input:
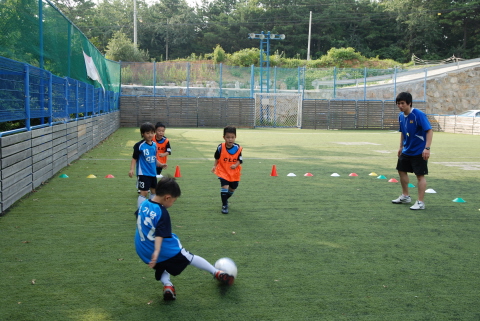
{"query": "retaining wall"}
[(30, 158)]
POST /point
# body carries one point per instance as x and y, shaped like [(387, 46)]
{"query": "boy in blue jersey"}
[(144, 161), (414, 152), (158, 247)]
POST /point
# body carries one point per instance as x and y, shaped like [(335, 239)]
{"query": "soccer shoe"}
[(225, 209), (402, 200), (418, 206), (169, 293), (224, 278)]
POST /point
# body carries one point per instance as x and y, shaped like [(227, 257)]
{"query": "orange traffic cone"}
[(274, 171), (177, 172)]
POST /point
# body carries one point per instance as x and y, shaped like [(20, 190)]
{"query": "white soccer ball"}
[(227, 265)]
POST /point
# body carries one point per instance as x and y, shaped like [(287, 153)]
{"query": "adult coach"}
[(414, 152)]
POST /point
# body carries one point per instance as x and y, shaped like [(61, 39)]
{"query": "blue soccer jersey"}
[(146, 157), (153, 220), (414, 128)]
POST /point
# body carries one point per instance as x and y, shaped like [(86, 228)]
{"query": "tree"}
[(19, 31), (121, 48), (168, 28), (80, 12), (461, 19), (219, 55), (418, 26)]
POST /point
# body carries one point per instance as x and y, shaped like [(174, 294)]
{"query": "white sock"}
[(165, 278), (140, 200), (201, 263)]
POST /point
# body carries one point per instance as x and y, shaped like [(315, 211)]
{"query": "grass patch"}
[(307, 248)]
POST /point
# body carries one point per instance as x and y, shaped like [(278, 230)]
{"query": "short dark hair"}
[(230, 129), (404, 96), (168, 186), (146, 127), (159, 124)]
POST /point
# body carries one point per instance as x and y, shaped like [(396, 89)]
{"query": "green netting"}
[(52, 43)]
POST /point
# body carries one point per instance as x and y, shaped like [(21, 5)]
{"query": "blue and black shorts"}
[(144, 183)]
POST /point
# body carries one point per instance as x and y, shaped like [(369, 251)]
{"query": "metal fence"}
[(217, 80), (37, 33), (31, 97)]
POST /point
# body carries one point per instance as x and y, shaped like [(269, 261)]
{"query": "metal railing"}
[(31, 97)]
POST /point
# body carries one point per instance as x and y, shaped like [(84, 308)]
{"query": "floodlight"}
[(251, 35), (261, 36), (282, 36)]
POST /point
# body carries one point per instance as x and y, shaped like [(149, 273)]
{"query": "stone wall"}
[(449, 93), (454, 92)]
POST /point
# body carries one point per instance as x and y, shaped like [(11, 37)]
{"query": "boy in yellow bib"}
[(228, 157)]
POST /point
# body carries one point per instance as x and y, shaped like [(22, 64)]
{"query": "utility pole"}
[(135, 22), (309, 36), (166, 44)]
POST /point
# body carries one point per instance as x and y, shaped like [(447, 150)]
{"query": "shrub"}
[(245, 57), (219, 55)]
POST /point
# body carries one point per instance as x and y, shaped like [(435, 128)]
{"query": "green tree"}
[(80, 12), (168, 27), (121, 48), (418, 26), (219, 54), (19, 30), (461, 19), (111, 16)]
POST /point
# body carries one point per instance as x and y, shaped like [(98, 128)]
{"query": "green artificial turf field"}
[(307, 248)]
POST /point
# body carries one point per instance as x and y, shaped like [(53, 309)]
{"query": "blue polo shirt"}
[(414, 128)]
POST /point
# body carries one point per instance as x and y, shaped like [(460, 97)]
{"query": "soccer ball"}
[(227, 265)]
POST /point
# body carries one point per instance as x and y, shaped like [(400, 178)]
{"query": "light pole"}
[(265, 43)]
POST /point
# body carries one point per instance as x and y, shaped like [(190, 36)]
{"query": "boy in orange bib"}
[(228, 158), (163, 148)]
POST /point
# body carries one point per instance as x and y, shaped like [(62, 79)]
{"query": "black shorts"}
[(174, 265), (412, 164), (144, 183), (232, 185)]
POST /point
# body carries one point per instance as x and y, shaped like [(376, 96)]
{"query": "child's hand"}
[(233, 166), (130, 173), (164, 154), (161, 165), (153, 261), (213, 169)]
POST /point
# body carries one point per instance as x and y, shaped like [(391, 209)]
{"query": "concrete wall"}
[(30, 158)]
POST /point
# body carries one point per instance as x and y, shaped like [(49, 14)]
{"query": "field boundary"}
[(30, 158)]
